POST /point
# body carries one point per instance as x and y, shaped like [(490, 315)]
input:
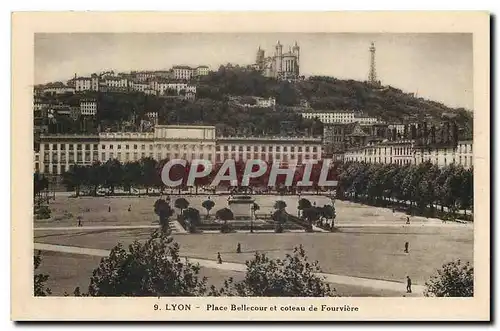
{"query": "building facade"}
[(340, 117), (202, 71), (287, 150), (189, 142), (183, 72), (88, 107), (280, 65), (403, 152)]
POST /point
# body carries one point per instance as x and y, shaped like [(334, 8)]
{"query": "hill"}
[(213, 107)]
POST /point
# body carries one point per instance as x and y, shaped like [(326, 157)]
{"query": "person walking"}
[(219, 259), (238, 248), (408, 284), (407, 244), (109, 209), (407, 220), (79, 221), (129, 207)]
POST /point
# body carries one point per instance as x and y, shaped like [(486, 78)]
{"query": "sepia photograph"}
[(325, 165)]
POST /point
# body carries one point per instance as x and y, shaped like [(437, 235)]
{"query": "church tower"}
[(296, 52), (260, 58), (279, 58)]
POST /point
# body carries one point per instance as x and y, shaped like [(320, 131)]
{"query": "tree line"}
[(146, 173), (424, 186)]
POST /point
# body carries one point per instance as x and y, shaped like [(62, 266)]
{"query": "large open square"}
[(368, 242)]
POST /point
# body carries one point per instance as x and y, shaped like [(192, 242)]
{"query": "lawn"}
[(373, 250), (95, 210), (68, 271), (361, 252)]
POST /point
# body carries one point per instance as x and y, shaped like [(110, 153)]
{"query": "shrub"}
[(454, 279), (294, 276), (153, 268), (40, 289), (42, 212), (226, 228)]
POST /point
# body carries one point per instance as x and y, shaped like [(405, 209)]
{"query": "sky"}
[(436, 66)]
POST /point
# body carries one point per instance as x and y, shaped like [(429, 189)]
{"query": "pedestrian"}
[(109, 209), (408, 284), (219, 259), (79, 220), (129, 207), (407, 244), (238, 248), (407, 220)]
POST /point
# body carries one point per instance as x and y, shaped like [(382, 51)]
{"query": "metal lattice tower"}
[(372, 76)]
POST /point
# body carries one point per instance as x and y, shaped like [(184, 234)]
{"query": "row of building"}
[(149, 82), (408, 152), (342, 116), (58, 152), (87, 107)]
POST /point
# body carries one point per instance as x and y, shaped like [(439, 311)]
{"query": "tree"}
[(328, 211), (132, 173), (304, 204), (40, 183), (255, 208), (164, 211), (149, 173), (208, 205), (225, 214), (114, 174), (74, 178), (181, 204), (40, 288), (193, 216), (293, 276), (153, 268), (280, 205), (311, 214), (454, 279)]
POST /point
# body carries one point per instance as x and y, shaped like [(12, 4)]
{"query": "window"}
[(240, 149), (135, 146), (127, 146), (110, 146), (150, 147), (233, 148), (79, 147), (143, 147), (270, 148), (46, 146), (248, 148), (300, 149), (315, 149), (103, 156), (96, 146), (307, 148), (225, 149)]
